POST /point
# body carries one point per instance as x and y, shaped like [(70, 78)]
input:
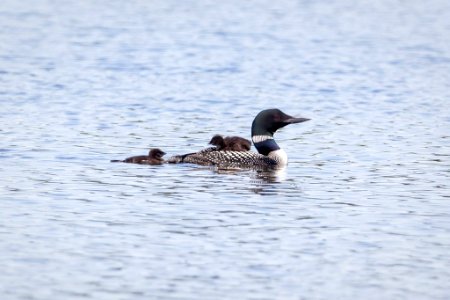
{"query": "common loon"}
[(154, 157), (269, 156), (230, 143)]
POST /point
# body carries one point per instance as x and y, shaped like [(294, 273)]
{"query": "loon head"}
[(156, 153), (268, 121), (265, 124)]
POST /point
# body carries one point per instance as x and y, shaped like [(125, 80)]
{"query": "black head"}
[(217, 140), (156, 153), (268, 121)]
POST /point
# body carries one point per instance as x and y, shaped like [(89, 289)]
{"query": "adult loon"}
[(154, 157), (269, 156), (230, 143)]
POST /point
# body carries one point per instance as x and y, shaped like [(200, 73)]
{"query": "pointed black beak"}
[(292, 120)]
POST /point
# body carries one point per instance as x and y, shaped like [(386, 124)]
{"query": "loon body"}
[(154, 157), (230, 143), (269, 156)]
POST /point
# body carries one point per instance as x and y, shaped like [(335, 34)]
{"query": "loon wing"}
[(226, 159)]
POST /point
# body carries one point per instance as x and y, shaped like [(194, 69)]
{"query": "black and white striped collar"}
[(261, 138)]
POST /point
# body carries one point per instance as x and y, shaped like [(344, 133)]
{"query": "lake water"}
[(361, 212)]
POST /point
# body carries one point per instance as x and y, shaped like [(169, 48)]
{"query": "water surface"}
[(361, 212)]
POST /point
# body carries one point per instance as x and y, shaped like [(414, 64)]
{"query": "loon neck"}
[(265, 144)]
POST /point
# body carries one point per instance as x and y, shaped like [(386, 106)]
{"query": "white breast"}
[(280, 156)]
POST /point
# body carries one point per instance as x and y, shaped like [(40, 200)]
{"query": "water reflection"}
[(269, 176), (273, 176), (263, 182)]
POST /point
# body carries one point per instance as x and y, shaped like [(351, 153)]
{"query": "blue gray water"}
[(361, 212)]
